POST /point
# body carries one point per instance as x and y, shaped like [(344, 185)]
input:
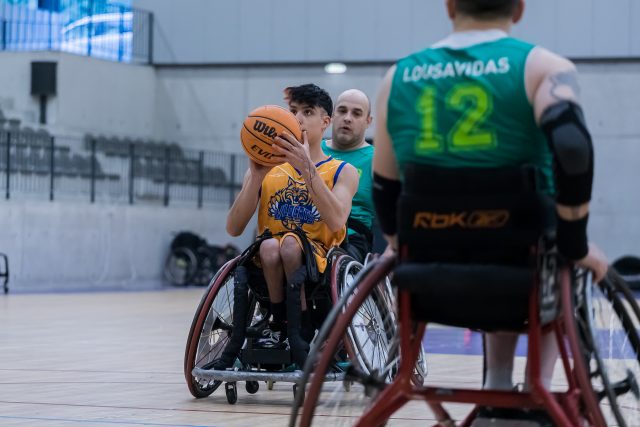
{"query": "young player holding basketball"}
[(480, 98), (311, 192)]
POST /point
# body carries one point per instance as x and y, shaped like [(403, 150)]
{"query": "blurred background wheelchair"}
[(192, 261)]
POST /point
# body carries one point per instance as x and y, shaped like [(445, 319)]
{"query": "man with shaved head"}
[(351, 118)]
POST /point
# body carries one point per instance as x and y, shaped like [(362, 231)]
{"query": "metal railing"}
[(35, 165), (115, 33)]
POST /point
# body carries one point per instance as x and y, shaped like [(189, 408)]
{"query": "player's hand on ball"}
[(296, 153)]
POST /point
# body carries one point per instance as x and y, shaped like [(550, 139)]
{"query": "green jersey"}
[(362, 206), (466, 106)]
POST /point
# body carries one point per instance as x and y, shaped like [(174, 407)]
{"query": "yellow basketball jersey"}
[(285, 203)]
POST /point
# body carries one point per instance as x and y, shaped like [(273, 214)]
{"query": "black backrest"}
[(472, 215)]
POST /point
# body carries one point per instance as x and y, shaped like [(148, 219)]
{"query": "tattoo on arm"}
[(561, 82)]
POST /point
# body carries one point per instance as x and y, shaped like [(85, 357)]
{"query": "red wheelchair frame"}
[(575, 406)]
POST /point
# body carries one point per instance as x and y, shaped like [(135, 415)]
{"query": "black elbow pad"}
[(566, 131), (385, 199)]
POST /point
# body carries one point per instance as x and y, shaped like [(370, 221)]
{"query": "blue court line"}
[(457, 341), (71, 420)]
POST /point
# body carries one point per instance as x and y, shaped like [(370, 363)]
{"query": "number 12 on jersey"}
[(470, 131)]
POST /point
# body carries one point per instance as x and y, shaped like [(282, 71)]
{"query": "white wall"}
[(610, 96), (77, 246), (205, 107), (71, 245), (93, 96), (267, 31)]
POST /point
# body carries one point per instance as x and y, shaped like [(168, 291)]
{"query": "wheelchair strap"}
[(312, 266)]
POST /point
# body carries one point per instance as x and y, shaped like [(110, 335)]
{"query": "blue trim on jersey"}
[(317, 164), (324, 161), (335, 177)]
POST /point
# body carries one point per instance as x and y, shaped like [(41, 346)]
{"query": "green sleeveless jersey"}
[(467, 107), (362, 208)]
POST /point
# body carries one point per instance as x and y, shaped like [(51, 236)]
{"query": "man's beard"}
[(346, 142)]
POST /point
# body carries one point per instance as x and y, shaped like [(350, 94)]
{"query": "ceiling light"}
[(335, 68)]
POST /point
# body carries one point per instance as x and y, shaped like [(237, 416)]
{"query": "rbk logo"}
[(262, 127), (473, 219)]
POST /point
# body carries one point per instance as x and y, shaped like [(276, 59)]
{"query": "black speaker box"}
[(43, 78)]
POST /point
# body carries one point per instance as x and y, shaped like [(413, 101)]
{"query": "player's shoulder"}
[(545, 60), (347, 170)]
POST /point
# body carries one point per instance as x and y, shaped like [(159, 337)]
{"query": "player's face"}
[(312, 119), (350, 121)]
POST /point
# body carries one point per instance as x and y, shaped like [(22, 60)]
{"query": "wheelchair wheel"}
[(181, 266), (365, 341), (608, 319), (358, 320), (210, 330)]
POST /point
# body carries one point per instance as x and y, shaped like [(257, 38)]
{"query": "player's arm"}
[(246, 202), (386, 179), (334, 205), (552, 84)]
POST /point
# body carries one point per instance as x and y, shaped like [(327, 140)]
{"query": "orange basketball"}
[(259, 129)]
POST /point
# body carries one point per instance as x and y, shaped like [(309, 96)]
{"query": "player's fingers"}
[(281, 143), (290, 138)]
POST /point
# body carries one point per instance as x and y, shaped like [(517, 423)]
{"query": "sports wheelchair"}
[(218, 320), (476, 251)]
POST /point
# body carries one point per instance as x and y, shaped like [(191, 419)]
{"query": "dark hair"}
[(486, 9), (311, 95)]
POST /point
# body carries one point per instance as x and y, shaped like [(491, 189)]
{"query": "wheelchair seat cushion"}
[(475, 296)]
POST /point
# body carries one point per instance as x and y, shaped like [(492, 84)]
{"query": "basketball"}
[(259, 129)]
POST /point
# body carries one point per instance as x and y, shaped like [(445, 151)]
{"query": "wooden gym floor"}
[(116, 359)]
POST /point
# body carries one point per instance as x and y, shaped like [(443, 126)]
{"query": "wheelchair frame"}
[(572, 407), (194, 375)]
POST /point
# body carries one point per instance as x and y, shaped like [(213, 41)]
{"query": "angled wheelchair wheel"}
[(360, 320), (608, 319), (181, 266), (370, 338), (210, 330)]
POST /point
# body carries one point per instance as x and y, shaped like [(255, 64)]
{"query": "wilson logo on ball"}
[(265, 129), (261, 127)]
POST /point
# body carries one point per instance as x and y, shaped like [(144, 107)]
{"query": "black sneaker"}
[(272, 339), (255, 330)]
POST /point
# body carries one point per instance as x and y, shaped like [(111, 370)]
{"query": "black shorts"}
[(357, 246)]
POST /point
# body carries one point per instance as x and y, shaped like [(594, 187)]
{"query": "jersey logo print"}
[(292, 206)]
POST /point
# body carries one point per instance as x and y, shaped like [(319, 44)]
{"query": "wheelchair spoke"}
[(611, 344), (366, 330), (217, 326), (369, 336)]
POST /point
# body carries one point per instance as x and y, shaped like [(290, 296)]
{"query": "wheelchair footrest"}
[(230, 376), (265, 356)]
